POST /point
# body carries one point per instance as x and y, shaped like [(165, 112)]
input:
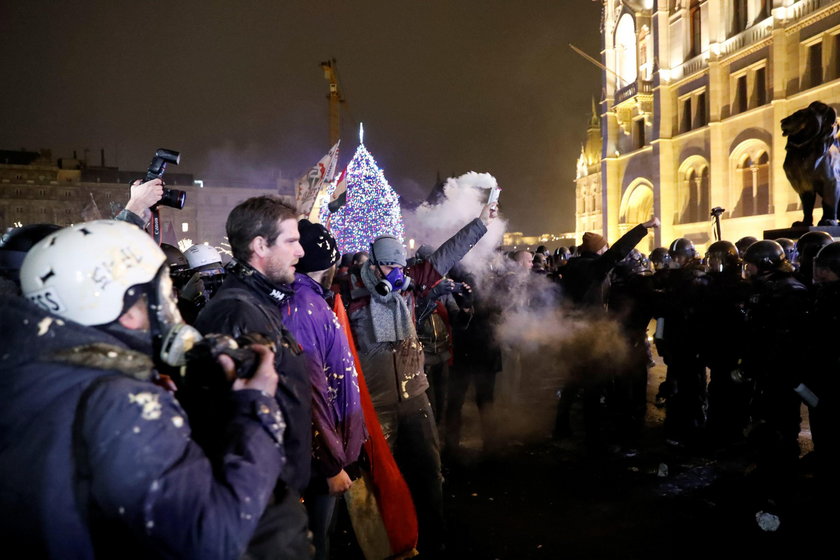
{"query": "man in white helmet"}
[(207, 275), (96, 460)]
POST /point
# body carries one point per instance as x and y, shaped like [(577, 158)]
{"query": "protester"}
[(337, 421), (585, 283), (391, 356)]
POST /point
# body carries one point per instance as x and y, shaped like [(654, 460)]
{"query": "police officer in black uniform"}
[(723, 317), (631, 301), (684, 388), (807, 248), (776, 321), (822, 374)]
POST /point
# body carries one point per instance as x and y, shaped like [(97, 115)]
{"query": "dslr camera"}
[(171, 197), (203, 371)]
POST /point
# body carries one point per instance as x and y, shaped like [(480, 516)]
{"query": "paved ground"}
[(537, 499)]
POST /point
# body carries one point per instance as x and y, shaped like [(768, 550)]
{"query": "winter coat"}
[(586, 277), (387, 381), (96, 460), (239, 308), (338, 424)]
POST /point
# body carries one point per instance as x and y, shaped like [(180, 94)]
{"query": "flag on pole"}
[(325, 205), (308, 186)]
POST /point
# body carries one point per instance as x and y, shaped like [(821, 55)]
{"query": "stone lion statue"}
[(812, 163)]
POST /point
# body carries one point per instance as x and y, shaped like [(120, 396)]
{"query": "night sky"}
[(236, 87)]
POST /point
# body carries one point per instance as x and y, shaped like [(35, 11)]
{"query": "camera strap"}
[(155, 224)]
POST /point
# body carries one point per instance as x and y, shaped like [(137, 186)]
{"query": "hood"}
[(32, 334)]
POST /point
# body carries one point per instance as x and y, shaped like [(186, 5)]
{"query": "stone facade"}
[(693, 93), (34, 189)]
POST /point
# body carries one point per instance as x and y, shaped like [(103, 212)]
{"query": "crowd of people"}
[(155, 403), (746, 332)]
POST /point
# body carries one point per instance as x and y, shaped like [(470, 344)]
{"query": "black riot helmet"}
[(789, 246), (634, 263), (682, 250), (766, 255), (16, 242), (829, 257), (744, 243), (179, 266), (561, 254), (810, 244), (722, 256), (660, 258)]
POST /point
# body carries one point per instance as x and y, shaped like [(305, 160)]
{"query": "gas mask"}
[(172, 338), (394, 280)]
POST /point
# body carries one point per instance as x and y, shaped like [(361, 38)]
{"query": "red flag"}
[(386, 482)]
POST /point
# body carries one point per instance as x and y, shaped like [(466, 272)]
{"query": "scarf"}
[(390, 314)]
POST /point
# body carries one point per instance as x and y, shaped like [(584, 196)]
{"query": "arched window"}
[(637, 207), (693, 198), (753, 176), (625, 51)]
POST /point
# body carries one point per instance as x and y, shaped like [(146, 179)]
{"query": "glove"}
[(445, 286)]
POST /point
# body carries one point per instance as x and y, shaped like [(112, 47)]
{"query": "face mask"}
[(396, 278)]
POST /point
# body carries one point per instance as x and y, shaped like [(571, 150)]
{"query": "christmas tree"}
[(372, 208)]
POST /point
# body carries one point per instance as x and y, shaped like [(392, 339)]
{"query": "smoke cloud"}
[(545, 344), (463, 199)]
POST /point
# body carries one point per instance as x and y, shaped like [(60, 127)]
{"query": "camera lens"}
[(173, 198)]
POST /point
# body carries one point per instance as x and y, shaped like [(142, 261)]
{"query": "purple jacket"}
[(337, 420)]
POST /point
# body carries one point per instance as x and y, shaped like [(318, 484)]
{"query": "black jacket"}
[(241, 307), (151, 492), (586, 277)]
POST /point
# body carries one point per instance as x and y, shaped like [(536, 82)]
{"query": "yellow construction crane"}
[(335, 98)]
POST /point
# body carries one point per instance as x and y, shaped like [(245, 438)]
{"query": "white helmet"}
[(82, 272), (199, 255)]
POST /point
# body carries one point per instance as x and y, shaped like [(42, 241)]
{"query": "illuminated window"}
[(625, 51), (185, 227)]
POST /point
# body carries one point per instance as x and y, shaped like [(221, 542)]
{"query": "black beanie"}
[(319, 247)]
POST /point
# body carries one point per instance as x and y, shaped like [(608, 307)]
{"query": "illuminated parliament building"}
[(690, 110)]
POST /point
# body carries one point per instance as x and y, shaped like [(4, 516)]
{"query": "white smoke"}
[(463, 199)]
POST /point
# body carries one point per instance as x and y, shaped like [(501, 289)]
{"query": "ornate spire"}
[(595, 121)]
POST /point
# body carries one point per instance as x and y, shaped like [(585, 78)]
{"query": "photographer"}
[(144, 195), (265, 242), (96, 459)]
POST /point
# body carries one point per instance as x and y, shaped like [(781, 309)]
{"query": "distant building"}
[(35, 189), (516, 240), (693, 93)]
